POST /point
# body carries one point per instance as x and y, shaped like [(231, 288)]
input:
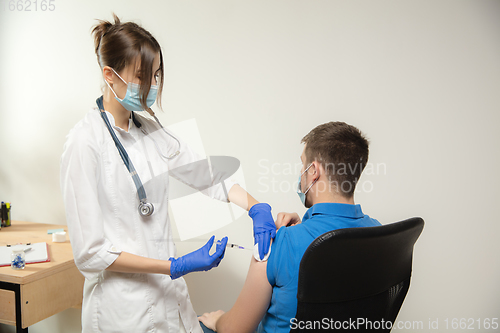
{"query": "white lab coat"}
[(101, 209)]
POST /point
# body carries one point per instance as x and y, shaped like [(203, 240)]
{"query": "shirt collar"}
[(112, 121), (334, 209)]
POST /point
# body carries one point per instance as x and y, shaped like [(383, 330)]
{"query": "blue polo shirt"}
[(287, 251)]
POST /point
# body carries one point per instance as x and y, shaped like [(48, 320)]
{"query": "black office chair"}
[(353, 273)]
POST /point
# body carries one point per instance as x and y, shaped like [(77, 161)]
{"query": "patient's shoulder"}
[(289, 238)]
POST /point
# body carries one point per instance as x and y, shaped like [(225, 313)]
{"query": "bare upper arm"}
[(252, 303)]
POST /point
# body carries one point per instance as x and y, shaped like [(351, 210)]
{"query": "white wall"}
[(420, 78)]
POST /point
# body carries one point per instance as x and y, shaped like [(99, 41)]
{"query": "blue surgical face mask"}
[(132, 99), (302, 196)]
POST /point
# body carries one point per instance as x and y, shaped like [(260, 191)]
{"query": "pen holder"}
[(18, 259), (5, 214)]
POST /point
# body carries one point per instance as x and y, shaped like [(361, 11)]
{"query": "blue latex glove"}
[(199, 260), (264, 228)]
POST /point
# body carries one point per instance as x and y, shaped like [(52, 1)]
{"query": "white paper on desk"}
[(197, 214), (38, 253)]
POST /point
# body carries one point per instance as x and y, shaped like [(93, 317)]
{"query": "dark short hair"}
[(121, 44), (342, 150)]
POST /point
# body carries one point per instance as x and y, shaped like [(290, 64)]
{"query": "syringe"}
[(235, 246)]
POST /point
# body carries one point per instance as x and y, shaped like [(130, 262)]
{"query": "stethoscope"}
[(145, 208)]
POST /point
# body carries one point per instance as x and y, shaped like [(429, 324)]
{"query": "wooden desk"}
[(39, 290)]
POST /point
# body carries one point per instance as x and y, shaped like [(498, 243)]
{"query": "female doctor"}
[(114, 179)]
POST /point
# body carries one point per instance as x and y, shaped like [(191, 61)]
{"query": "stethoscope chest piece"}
[(146, 209)]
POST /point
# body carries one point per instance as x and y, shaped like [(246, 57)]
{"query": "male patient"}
[(333, 158)]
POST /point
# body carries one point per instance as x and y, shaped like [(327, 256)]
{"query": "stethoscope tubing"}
[(145, 208)]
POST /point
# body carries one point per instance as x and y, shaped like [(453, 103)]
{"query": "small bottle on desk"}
[(18, 259)]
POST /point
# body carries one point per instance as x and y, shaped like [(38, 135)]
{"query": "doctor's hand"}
[(264, 228), (199, 260), (287, 219)]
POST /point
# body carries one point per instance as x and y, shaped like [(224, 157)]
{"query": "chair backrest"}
[(356, 278)]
